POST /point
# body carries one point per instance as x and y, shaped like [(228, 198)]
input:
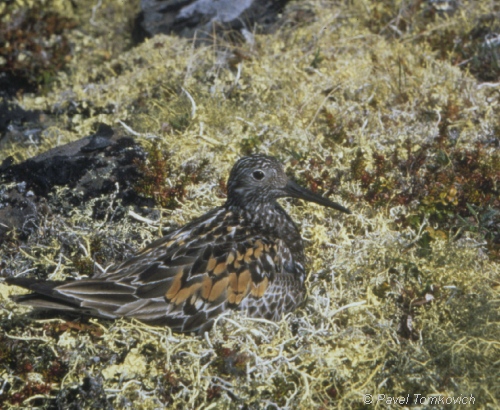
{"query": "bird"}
[(245, 255)]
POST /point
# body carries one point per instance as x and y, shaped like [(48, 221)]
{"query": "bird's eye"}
[(258, 175)]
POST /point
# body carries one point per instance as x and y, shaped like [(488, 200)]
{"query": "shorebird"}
[(247, 255)]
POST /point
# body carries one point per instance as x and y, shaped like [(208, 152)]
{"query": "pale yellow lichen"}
[(346, 340)]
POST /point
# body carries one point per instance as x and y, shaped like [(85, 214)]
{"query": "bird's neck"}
[(266, 215), (271, 218)]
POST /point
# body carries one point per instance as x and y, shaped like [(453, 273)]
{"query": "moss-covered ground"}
[(390, 107)]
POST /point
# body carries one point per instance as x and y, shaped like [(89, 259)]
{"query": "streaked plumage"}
[(247, 254)]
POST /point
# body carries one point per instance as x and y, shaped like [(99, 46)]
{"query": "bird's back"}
[(223, 260)]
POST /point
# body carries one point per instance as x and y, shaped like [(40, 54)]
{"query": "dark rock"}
[(100, 140), (100, 164), (204, 18)]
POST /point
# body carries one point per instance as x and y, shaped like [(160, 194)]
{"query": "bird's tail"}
[(44, 296)]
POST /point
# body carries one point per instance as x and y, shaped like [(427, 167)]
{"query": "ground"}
[(389, 107)]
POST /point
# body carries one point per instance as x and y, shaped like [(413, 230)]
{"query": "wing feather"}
[(187, 278)]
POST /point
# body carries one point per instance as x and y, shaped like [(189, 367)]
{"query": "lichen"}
[(362, 102)]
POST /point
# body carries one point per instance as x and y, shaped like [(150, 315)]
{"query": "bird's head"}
[(260, 179)]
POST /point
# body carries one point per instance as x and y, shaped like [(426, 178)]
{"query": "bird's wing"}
[(187, 278)]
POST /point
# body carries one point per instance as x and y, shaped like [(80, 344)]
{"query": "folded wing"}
[(180, 282)]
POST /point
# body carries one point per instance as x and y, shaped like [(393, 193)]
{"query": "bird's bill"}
[(296, 191)]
